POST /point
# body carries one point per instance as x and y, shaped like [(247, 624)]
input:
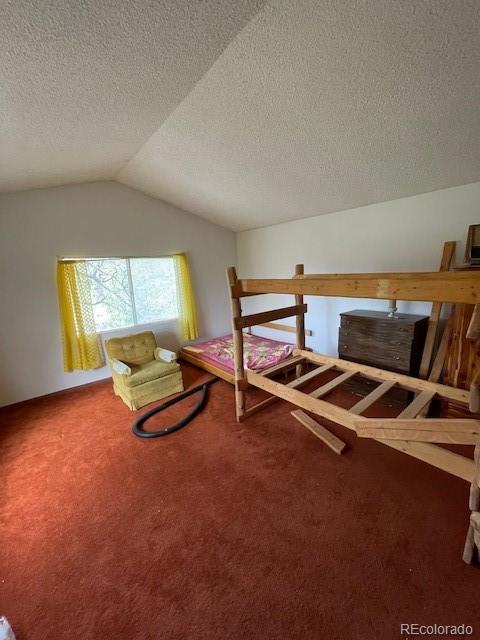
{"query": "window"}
[(130, 291)]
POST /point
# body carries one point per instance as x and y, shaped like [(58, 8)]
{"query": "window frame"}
[(141, 326), (131, 291)]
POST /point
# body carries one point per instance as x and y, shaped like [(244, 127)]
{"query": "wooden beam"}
[(300, 318), (237, 334), (284, 327), (190, 357), (439, 361), (331, 440), (474, 498), (281, 366), (474, 404), (299, 323), (448, 286), (303, 400), (236, 291), (372, 397), (309, 376), (449, 461), (401, 275), (447, 257), (250, 411), (472, 543), (242, 384), (473, 331), (461, 425), (412, 410), (406, 382), (444, 437), (425, 430), (330, 386), (453, 463), (241, 322), (293, 384)]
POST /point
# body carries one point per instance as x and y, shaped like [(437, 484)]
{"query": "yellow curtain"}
[(187, 307), (81, 345)]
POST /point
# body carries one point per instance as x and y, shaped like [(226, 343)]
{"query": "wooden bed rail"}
[(254, 319), (287, 328), (446, 286)]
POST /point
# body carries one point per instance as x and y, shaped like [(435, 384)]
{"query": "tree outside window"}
[(130, 291)]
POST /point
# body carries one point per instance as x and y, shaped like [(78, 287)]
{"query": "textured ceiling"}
[(323, 106), (314, 106), (84, 83)]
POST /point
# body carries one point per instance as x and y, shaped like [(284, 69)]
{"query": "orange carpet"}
[(220, 531)]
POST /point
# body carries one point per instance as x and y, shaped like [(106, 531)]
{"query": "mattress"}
[(259, 353)]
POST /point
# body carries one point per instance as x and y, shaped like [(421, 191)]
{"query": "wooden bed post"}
[(472, 543), (240, 380), (300, 324), (433, 321), (473, 333)]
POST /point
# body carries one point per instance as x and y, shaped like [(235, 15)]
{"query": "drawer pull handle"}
[(397, 358)]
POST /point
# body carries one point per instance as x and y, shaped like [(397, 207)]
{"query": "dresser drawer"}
[(371, 336), (381, 326), (391, 355)]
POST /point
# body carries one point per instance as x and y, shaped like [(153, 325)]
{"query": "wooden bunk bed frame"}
[(411, 432)]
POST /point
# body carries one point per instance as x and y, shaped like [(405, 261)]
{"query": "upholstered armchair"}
[(141, 371)]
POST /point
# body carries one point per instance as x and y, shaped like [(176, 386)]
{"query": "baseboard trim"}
[(60, 392)]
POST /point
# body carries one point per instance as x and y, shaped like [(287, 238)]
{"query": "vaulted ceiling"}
[(246, 113)]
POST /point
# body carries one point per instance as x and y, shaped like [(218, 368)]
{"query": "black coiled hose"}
[(137, 426)]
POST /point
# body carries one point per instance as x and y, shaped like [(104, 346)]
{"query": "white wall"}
[(108, 219), (400, 235), (98, 219)]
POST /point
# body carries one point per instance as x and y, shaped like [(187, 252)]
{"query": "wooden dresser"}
[(371, 337)]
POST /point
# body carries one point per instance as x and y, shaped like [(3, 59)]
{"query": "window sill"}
[(138, 327)]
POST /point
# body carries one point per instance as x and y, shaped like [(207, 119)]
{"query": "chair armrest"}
[(120, 367), (164, 355)]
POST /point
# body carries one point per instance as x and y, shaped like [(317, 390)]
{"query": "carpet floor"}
[(222, 530)]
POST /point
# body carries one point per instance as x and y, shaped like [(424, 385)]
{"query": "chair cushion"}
[(134, 349), (150, 371)]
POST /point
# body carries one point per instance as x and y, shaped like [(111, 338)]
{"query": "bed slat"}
[(414, 408), (309, 376), (329, 386), (277, 368), (372, 397)]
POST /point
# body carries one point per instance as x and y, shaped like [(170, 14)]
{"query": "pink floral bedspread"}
[(259, 353)]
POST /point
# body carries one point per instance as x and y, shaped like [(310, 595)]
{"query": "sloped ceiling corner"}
[(245, 113), (84, 83)]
